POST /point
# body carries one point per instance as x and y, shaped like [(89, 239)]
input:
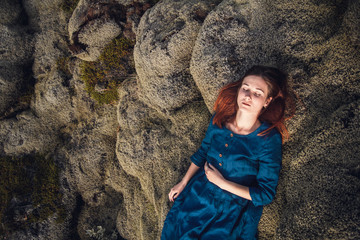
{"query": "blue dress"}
[(205, 211)]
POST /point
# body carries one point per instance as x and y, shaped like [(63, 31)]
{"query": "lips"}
[(246, 104)]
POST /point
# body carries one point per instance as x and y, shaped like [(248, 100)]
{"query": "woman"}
[(236, 169)]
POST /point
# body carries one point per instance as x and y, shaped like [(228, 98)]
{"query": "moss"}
[(153, 2), (102, 77), (13, 181), (62, 64), (34, 181), (63, 67), (68, 6), (46, 192)]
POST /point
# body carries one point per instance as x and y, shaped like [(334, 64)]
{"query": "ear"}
[(267, 102)]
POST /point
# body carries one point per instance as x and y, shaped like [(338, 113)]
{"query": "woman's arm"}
[(263, 192), (217, 178), (197, 160), (177, 189)]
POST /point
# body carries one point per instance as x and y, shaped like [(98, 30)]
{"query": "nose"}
[(247, 95)]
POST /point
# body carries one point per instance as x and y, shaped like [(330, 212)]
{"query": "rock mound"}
[(119, 162), (165, 38)]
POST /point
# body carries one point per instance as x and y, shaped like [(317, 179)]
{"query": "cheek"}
[(260, 102), (239, 97)]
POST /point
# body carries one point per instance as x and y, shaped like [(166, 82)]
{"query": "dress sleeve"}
[(199, 157), (268, 175)]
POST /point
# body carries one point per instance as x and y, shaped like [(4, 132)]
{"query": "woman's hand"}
[(213, 175), (176, 190)]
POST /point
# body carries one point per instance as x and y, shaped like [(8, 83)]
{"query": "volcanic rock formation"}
[(118, 162)]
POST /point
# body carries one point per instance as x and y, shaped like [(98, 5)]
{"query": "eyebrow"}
[(256, 88)]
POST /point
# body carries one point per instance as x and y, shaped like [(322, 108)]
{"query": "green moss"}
[(62, 65), (68, 6), (153, 2), (13, 181), (102, 77), (32, 180), (46, 192)]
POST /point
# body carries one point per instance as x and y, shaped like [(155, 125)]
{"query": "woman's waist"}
[(201, 183), (235, 172)]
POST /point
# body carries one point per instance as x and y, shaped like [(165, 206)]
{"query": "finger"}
[(174, 195), (210, 167), (213, 168), (206, 166), (170, 196)]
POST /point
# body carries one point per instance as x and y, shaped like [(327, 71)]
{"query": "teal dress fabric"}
[(205, 211)]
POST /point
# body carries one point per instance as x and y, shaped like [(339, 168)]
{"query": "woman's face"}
[(252, 96)]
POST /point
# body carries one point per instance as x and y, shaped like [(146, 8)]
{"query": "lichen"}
[(102, 77)]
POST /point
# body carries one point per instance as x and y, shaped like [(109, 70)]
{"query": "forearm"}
[(237, 189), (178, 188), (190, 173), (214, 176)]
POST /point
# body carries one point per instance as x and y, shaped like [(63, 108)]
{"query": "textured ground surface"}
[(119, 161)]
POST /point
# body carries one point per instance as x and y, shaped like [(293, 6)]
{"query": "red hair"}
[(280, 109)]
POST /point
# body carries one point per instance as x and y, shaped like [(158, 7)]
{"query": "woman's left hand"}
[(213, 175)]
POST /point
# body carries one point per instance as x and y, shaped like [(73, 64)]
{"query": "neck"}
[(245, 123)]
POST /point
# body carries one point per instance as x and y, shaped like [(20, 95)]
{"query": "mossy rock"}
[(68, 6), (102, 77), (31, 181)]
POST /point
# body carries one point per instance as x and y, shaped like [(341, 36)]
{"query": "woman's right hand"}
[(176, 190)]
